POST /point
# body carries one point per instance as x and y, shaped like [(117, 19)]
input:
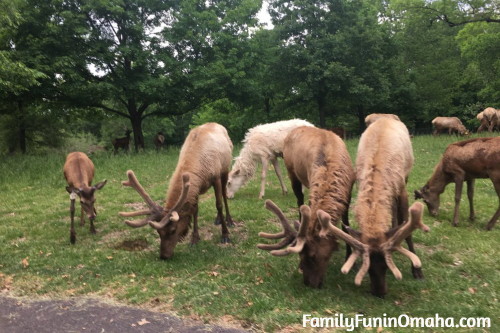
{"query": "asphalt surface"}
[(22, 315)]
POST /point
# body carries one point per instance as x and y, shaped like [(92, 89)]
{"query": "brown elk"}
[(159, 140), (204, 161), (339, 130), (464, 161), (122, 143), (370, 119), (79, 173), (453, 124), (383, 164), (317, 159), (489, 119)]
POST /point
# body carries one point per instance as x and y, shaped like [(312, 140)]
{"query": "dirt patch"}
[(133, 245)]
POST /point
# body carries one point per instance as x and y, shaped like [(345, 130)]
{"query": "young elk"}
[(263, 143), (159, 140), (383, 164), (122, 143), (319, 160), (204, 162), (464, 161), (79, 173)]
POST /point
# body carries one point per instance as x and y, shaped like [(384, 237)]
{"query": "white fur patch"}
[(73, 196)]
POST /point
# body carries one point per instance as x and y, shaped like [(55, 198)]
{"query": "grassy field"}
[(236, 283)]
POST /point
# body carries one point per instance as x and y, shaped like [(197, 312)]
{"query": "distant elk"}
[(464, 162), (159, 140), (319, 160), (122, 143), (383, 164), (370, 119), (339, 130), (489, 118), (79, 173), (204, 162), (452, 124), (262, 143)]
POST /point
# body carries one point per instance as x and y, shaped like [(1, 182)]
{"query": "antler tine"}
[(134, 183), (392, 265), (288, 233), (305, 213), (364, 267), (137, 213), (138, 224), (416, 211), (185, 189)]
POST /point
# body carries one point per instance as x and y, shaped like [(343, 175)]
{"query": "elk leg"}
[(496, 183), (92, 228), (82, 217), (470, 195), (72, 233), (458, 194), (195, 236), (278, 173), (229, 220), (265, 165), (297, 189), (345, 221), (218, 203)]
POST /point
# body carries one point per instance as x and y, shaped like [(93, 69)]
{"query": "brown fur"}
[(452, 124), (370, 119), (79, 172), (339, 130), (464, 161), (122, 143), (159, 140), (319, 160), (489, 119)]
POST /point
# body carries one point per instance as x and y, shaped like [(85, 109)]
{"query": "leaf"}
[(472, 291), (110, 257), (143, 321), (330, 312), (25, 262)]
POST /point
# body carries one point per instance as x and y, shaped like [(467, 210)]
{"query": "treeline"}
[(84, 70)]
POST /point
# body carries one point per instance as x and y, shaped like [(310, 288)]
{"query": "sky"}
[(264, 16)]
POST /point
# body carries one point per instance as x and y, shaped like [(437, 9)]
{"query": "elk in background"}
[(489, 118), (464, 161), (159, 140), (79, 173), (319, 160), (383, 164), (452, 124), (204, 162), (122, 142), (339, 130)]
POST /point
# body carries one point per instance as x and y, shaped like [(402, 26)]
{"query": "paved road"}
[(85, 315)]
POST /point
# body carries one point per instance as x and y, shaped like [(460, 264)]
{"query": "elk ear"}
[(418, 195), (69, 189), (100, 185)]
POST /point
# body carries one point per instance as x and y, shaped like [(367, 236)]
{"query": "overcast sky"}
[(264, 16)]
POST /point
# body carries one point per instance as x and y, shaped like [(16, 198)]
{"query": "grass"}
[(235, 283)]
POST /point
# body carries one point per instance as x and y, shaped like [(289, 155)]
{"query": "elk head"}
[(87, 199), (377, 257), (314, 251), (431, 199), (164, 221)]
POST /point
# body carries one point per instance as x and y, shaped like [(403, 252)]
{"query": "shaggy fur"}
[(452, 124), (370, 119), (489, 118), (262, 144)]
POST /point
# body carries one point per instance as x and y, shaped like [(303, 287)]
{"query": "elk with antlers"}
[(464, 161), (122, 143), (319, 160), (79, 173), (383, 164), (204, 162)]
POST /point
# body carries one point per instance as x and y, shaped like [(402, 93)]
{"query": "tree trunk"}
[(137, 130), (321, 108), (361, 118)]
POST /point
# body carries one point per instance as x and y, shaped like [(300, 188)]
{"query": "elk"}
[(489, 119), (79, 173), (339, 130), (370, 119), (263, 143), (122, 142), (317, 159), (453, 124), (383, 164), (159, 140), (204, 162), (464, 161)]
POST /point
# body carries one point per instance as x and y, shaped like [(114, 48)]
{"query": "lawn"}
[(235, 283)]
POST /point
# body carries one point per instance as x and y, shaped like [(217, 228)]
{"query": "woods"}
[(87, 69)]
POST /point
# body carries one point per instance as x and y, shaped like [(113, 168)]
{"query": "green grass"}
[(238, 282)]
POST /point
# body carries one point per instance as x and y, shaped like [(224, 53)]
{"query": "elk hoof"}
[(489, 227), (230, 222), (455, 224), (72, 239), (417, 273), (217, 221), (225, 240)]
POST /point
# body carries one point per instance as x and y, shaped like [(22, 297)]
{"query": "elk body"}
[(319, 160), (204, 162), (159, 140), (122, 143), (262, 144), (383, 164), (464, 162), (452, 124), (489, 118), (370, 119), (79, 173)]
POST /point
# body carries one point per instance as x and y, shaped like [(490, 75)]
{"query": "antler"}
[(305, 213), (359, 247), (155, 211), (172, 214), (288, 233)]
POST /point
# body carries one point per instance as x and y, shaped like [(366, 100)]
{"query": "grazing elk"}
[(79, 173), (204, 162), (263, 143), (159, 140), (122, 142), (339, 130), (319, 160), (370, 119), (383, 164), (489, 119), (453, 124), (464, 161)]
